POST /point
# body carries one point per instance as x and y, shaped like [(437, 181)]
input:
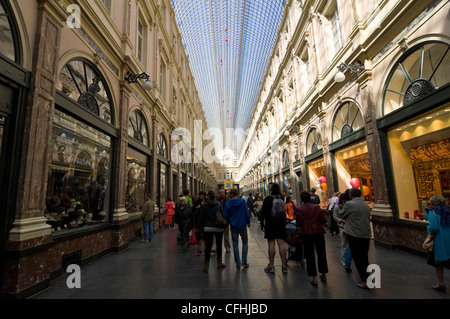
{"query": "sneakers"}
[(270, 269), (245, 265), (284, 270)]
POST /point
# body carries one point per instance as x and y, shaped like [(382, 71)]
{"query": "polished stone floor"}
[(157, 270)]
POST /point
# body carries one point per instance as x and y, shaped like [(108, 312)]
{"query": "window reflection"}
[(78, 185), (6, 35)]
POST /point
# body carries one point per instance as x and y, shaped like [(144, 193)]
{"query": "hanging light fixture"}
[(130, 78), (354, 68)]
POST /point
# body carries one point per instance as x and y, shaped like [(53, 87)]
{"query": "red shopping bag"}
[(193, 239)]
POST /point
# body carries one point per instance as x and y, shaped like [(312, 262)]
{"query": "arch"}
[(162, 148), (105, 93), (420, 71), (347, 119), (138, 128), (313, 140)]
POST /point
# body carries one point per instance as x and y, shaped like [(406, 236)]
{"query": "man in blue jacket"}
[(238, 216)]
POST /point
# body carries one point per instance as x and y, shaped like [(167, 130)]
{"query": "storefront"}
[(163, 186), (14, 87), (78, 189), (315, 166), (350, 157), (415, 126)]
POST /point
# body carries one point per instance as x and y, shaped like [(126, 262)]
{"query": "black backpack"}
[(278, 208)]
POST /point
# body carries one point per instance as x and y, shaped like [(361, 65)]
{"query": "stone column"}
[(120, 213), (382, 216), (154, 176), (326, 152), (26, 250)]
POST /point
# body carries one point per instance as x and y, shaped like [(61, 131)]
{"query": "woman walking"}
[(308, 218), (183, 217), (274, 230), (198, 204), (439, 217), (207, 220)]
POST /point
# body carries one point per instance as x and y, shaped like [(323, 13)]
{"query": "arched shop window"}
[(137, 127), (348, 119), (425, 69), (162, 146), (78, 193), (313, 141), (8, 34), (137, 162), (163, 172), (83, 83)]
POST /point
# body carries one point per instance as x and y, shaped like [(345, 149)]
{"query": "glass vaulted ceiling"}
[(228, 43)]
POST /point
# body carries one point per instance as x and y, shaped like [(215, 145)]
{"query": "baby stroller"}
[(294, 241)]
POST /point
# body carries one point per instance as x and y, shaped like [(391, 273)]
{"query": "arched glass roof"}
[(228, 44)]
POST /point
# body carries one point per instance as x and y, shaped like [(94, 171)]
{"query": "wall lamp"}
[(354, 68), (130, 78)]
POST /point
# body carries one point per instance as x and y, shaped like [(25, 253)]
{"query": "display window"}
[(353, 170), (78, 185), (420, 161), (317, 180), (137, 174)]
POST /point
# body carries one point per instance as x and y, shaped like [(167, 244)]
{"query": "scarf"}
[(444, 212)]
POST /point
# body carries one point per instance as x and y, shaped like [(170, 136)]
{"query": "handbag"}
[(220, 220), (428, 243)]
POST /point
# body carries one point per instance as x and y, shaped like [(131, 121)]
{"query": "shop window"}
[(137, 128), (353, 170), (313, 141), (420, 160), (7, 34), (78, 185), (316, 171), (347, 120), (81, 82), (416, 75), (137, 168)]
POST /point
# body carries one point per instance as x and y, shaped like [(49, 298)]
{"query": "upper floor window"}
[(108, 5), (285, 159), (82, 82)]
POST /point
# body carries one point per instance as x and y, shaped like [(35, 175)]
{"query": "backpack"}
[(278, 208)]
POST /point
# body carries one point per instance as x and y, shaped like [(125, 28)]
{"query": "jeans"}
[(209, 240), (235, 238), (148, 230), (348, 258)]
